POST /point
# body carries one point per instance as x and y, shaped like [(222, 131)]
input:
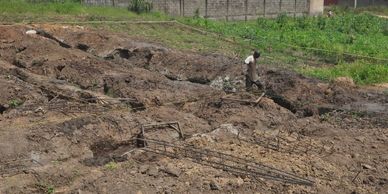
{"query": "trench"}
[(108, 150)]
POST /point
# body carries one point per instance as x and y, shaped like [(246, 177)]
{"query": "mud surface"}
[(69, 114)]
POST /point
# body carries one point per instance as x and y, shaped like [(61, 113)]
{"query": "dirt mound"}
[(69, 115)]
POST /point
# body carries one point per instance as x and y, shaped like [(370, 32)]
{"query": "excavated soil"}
[(71, 106)]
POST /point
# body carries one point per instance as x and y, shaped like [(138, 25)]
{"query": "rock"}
[(384, 158), (322, 86), (366, 166), (382, 138), (237, 182), (143, 169), (225, 129), (355, 155), (172, 170), (240, 181), (329, 92), (371, 179), (360, 139), (29, 32), (374, 146), (153, 171), (39, 110), (214, 186)]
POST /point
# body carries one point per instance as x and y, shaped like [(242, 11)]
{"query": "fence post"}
[(165, 6), (183, 7), (295, 9), (180, 7), (227, 10), (280, 6), (246, 10), (113, 3), (264, 4), (206, 9)]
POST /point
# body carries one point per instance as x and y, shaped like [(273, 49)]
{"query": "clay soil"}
[(69, 114)]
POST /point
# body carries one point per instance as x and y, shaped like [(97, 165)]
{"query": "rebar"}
[(227, 162)]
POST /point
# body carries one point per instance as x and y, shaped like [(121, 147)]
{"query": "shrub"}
[(140, 6), (15, 103)]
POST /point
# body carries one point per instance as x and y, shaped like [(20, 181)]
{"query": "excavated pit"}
[(108, 151), (75, 110)]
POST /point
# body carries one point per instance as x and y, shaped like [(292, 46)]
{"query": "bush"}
[(140, 6)]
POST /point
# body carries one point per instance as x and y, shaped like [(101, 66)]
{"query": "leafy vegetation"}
[(15, 103), (140, 6), (379, 10), (46, 188), (111, 165), (361, 34), (357, 44), (362, 73), (50, 190)]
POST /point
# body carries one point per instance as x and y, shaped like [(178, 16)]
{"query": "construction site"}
[(93, 111)]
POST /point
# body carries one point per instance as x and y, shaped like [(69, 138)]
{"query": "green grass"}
[(23, 11), (360, 34), (356, 45), (378, 10), (111, 165), (15, 103), (178, 37), (361, 73)]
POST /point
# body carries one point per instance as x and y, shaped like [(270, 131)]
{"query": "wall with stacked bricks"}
[(222, 9)]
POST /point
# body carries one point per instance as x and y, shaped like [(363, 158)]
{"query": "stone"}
[(366, 166), (382, 138), (214, 186), (143, 169), (172, 170), (39, 110), (355, 155), (153, 171), (30, 32), (360, 139), (371, 179), (239, 181)]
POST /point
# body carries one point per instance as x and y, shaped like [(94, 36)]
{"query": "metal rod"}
[(228, 162)]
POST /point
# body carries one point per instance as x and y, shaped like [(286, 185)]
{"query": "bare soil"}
[(68, 117)]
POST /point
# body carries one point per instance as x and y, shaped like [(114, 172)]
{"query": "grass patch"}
[(15, 103), (378, 10), (111, 165), (361, 73), (180, 38), (361, 34), (23, 11), (354, 44)]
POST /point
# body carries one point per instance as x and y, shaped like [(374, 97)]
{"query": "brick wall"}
[(222, 9)]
